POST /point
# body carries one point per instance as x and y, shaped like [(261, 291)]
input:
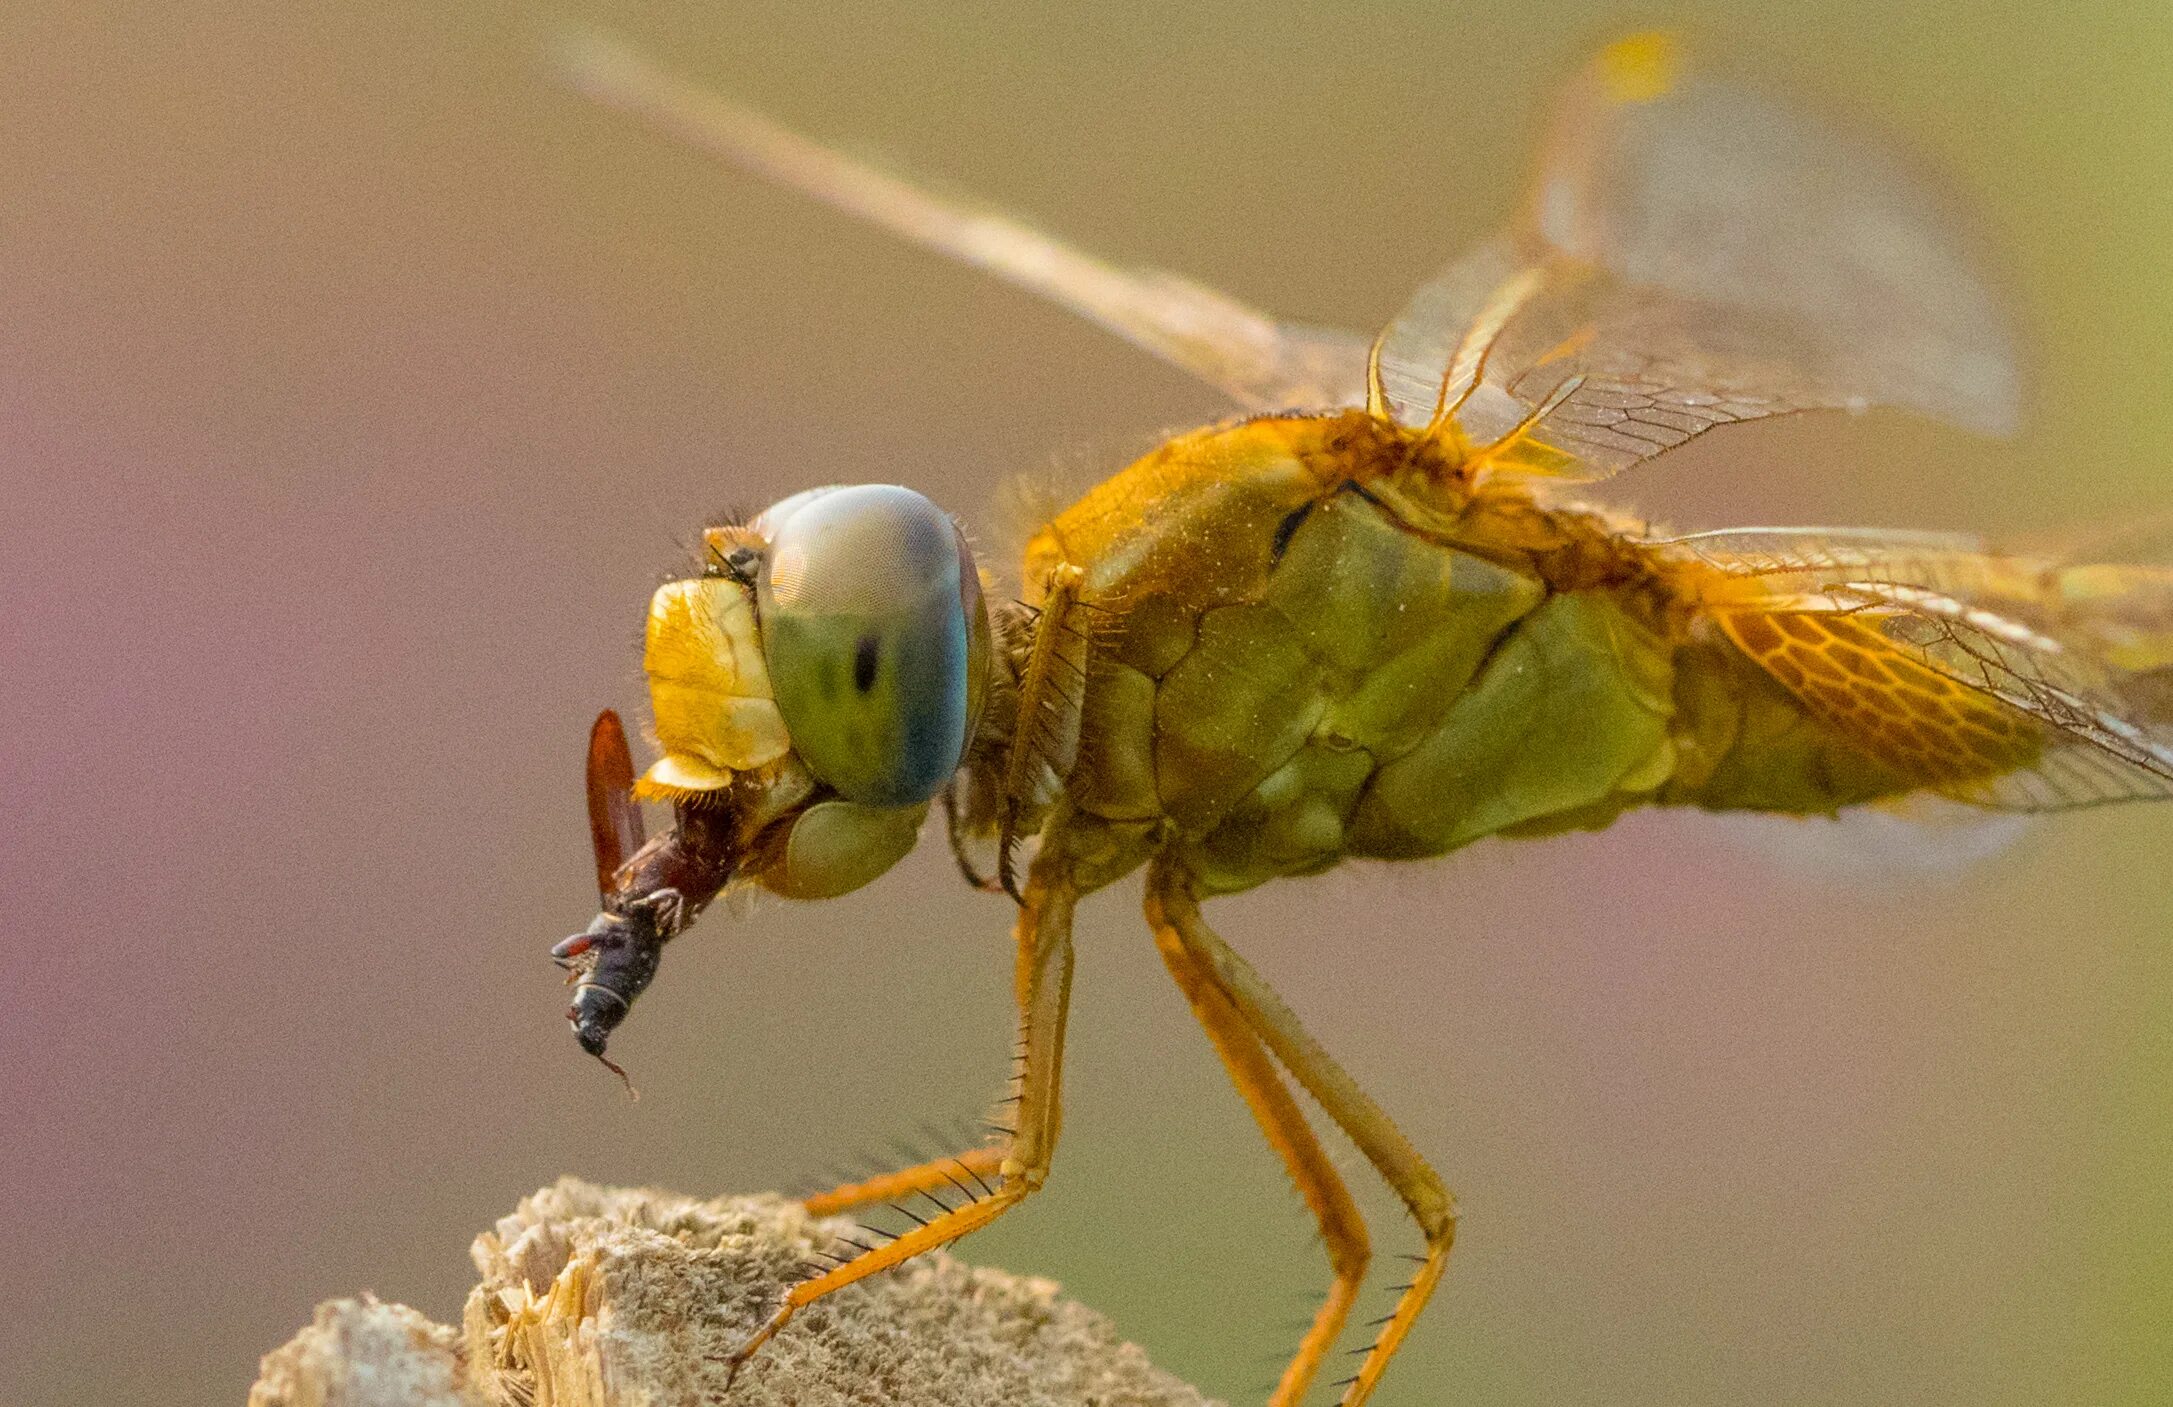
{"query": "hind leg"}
[(1231, 980), (1342, 1230)]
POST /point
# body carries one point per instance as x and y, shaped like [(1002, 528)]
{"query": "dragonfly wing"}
[(1903, 842), (1261, 363), (1692, 254), (2009, 682), (2140, 537)]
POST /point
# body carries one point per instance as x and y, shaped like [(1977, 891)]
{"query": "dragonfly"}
[(1374, 614)]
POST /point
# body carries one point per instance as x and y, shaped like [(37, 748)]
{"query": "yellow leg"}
[(1044, 990), (1342, 1230), (1418, 1185), (968, 1173)]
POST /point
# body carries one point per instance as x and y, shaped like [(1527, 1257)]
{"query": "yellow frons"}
[(708, 688)]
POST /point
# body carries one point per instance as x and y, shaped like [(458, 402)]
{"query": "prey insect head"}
[(613, 962)]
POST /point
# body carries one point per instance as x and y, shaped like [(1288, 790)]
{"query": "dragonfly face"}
[(813, 690), (823, 676)]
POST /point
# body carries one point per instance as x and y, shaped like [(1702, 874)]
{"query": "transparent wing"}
[(1899, 844), (1261, 363), (2143, 537), (1692, 254), (2016, 683)]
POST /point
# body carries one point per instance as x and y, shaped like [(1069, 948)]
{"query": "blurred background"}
[(356, 386)]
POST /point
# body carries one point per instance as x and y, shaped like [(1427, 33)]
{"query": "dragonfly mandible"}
[(1374, 617)]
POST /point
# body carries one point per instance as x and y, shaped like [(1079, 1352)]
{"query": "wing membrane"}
[(1691, 254), (2016, 683), (1261, 363)]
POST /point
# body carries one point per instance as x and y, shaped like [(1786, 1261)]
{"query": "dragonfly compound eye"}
[(876, 639)]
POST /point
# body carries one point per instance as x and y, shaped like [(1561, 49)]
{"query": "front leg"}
[(1044, 991)]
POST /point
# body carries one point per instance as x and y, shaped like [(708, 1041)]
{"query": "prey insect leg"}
[(1265, 1013), (1044, 991), (1342, 1230)]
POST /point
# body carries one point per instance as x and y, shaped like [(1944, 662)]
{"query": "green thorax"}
[(1285, 672)]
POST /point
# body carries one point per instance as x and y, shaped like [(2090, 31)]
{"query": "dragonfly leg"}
[(968, 1172), (1021, 1165), (1342, 1230), (1277, 1027)]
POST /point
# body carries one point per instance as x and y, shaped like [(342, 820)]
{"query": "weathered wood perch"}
[(621, 1297)]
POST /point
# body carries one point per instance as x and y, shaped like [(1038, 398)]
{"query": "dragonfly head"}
[(824, 676)]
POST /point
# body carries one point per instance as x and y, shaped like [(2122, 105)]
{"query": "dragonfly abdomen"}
[(1748, 744)]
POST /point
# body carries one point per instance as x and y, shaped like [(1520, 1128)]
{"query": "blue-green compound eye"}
[(875, 636)]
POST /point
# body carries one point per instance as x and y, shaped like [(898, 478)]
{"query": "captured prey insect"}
[(1372, 619)]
